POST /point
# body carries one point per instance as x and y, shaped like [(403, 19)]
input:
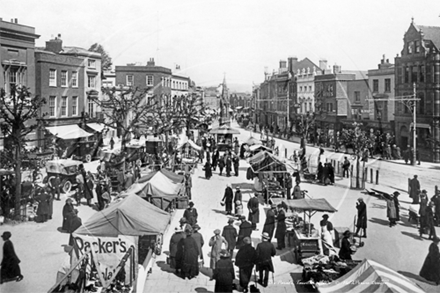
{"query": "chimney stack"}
[(55, 45), (151, 62), (323, 64), (291, 63), (283, 66), (336, 69), (15, 20)]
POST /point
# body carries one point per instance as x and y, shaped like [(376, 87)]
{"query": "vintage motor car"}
[(66, 168)]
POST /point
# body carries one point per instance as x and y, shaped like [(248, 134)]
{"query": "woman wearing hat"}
[(216, 242), (67, 214), (224, 273), (10, 269), (345, 251), (265, 251), (190, 261), (431, 267), (227, 199)]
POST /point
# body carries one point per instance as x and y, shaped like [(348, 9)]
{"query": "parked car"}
[(66, 168)]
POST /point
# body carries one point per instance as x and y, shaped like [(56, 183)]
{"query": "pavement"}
[(39, 245)]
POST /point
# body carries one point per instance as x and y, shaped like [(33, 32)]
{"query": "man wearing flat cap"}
[(230, 234), (265, 251), (244, 231), (245, 261)]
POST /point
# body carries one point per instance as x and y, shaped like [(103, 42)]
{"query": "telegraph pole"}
[(412, 98)]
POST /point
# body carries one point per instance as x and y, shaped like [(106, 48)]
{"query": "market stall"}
[(224, 134), (187, 157), (115, 247), (369, 276), (306, 239), (268, 167)]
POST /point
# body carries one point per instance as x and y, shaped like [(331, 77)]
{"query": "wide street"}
[(39, 244)]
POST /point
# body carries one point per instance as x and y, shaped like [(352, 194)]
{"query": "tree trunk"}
[(17, 170)]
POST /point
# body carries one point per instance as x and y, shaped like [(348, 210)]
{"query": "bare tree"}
[(19, 110)]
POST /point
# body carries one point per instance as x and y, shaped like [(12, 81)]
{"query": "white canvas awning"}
[(68, 131), (96, 126)]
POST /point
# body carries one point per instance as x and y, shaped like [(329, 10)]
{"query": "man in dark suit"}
[(281, 228), (245, 231), (230, 234), (265, 252), (245, 260), (269, 224), (254, 211)]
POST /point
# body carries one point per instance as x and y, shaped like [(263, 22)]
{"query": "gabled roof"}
[(431, 33), (305, 63)]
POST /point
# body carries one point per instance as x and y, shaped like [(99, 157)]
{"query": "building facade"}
[(417, 73), (381, 84), (305, 85), (17, 48)]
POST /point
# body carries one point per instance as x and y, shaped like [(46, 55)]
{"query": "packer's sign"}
[(107, 253)]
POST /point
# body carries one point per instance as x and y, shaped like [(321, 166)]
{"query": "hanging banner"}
[(107, 253)]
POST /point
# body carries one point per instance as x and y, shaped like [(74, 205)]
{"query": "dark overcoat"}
[(245, 231), (190, 261), (265, 251), (431, 267), (361, 215), (254, 211), (10, 262), (269, 224), (281, 225), (227, 198), (230, 234), (223, 275)]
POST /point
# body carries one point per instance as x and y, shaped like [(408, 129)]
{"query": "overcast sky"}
[(238, 38)]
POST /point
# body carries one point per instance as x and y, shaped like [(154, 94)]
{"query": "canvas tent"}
[(159, 187), (266, 162), (132, 216), (370, 276)]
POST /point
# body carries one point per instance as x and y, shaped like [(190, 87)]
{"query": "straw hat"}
[(265, 235)]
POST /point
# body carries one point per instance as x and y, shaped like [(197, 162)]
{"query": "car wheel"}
[(67, 185), (88, 158)]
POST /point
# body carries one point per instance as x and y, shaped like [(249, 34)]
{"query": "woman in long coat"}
[(361, 217), (208, 171), (68, 212), (345, 251), (391, 209), (281, 228), (10, 269), (43, 205), (431, 267), (174, 241), (221, 164), (190, 261), (224, 273), (88, 191), (227, 199)]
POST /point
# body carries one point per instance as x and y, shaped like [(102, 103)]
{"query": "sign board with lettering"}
[(107, 253)]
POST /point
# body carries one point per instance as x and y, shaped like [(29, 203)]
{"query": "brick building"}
[(419, 67), (17, 46), (381, 83)]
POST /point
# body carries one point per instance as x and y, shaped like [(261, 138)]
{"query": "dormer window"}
[(410, 47), (417, 46)]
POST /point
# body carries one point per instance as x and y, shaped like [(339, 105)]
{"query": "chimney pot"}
[(388, 60), (16, 20)]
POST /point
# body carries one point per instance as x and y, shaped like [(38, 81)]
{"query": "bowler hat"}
[(6, 235), (191, 204), (325, 216), (182, 220), (396, 193), (196, 227), (265, 235)]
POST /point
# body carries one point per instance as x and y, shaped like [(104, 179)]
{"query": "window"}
[(422, 73), (417, 46), (129, 80), (74, 106), (413, 70), (91, 81), (64, 78), (52, 106), (92, 63), (149, 80), (421, 104), (91, 109), (63, 106), (13, 78), (300, 88), (52, 77), (74, 79), (406, 78), (387, 85), (375, 85), (410, 47), (357, 97), (310, 88)]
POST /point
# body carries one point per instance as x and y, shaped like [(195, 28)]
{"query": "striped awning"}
[(370, 276)]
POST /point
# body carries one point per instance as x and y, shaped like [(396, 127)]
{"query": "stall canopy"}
[(370, 276), (160, 187), (132, 216), (184, 141), (266, 162), (98, 127), (72, 131), (253, 141), (308, 204), (224, 129)]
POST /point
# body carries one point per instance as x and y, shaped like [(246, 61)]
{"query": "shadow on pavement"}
[(243, 186), (219, 211), (206, 271), (165, 267), (300, 286), (380, 221), (200, 289), (412, 235), (415, 277), (288, 256), (378, 206)]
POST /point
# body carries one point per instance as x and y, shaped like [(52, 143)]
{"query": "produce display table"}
[(305, 245)]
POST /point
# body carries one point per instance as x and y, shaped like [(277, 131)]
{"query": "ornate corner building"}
[(419, 67)]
